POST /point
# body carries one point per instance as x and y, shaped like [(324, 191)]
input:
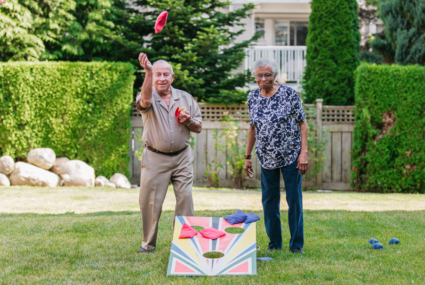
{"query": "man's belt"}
[(166, 153)]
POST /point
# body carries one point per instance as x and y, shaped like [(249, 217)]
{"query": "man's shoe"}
[(297, 250), (142, 250), (271, 249)]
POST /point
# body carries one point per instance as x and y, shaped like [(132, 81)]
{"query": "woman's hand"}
[(248, 168), (302, 163)]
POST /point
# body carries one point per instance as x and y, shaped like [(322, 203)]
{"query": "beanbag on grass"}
[(212, 233), (237, 218), (251, 217), (187, 232)]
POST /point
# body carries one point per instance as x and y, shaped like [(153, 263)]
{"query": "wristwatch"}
[(247, 156), (191, 122)]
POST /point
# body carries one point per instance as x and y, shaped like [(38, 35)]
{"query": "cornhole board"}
[(240, 250)]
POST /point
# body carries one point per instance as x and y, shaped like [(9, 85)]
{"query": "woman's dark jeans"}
[(270, 187)]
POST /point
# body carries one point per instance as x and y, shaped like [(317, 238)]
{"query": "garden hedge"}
[(389, 136), (80, 110)]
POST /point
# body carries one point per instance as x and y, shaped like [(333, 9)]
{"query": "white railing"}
[(290, 59)]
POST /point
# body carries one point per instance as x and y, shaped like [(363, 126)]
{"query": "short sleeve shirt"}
[(160, 127), (277, 134)]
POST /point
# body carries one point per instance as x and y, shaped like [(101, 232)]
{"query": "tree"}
[(333, 46), (404, 41), (198, 41), (17, 42)]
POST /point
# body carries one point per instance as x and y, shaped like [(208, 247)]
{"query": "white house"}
[(283, 24)]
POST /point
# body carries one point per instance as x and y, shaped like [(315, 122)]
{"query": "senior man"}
[(167, 155)]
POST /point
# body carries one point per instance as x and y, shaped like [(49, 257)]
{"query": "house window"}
[(259, 27), (281, 30), (291, 33)]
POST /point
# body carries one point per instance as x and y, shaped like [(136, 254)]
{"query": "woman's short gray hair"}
[(163, 61), (265, 61)]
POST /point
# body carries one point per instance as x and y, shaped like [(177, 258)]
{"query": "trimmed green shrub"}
[(333, 47), (389, 146), (80, 110)]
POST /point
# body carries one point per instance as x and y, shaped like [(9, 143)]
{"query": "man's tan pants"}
[(157, 171)]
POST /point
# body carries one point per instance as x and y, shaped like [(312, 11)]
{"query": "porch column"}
[(269, 34)]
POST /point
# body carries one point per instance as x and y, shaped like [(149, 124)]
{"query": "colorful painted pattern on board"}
[(240, 250)]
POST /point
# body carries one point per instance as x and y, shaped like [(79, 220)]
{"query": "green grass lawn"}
[(101, 248)]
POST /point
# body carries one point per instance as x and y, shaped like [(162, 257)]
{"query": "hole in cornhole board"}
[(213, 254), (234, 230), (198, 228)]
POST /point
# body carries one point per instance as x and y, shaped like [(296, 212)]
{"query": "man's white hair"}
[(265, 61), (163, 61)]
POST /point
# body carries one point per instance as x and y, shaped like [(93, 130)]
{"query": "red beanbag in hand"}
[(178, 111), (212, 233), (160, 21), (187, 232)]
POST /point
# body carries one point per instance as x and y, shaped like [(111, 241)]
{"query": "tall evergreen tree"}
[(404, 41), (198, 41), (333, 47)]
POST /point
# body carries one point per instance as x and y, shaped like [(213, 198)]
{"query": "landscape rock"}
[(102, 181), (4, 181), (27, 174), (120, 181), (78, 173), (7, 164), (42, 157), (58, 165)]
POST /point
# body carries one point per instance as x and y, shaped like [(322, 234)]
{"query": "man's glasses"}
[(266, 76)]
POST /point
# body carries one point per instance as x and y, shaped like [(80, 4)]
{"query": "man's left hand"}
[(302, 163), (185, 118)]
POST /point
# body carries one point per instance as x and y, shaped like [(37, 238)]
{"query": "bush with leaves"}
[(388, 150), (333, 47), (80, 110)]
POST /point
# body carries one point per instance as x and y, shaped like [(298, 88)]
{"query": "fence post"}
[(319, 106)]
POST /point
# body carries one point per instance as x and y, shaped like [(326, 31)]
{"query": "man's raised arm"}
[(146, 95)]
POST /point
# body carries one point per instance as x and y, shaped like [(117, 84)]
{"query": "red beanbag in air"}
[(212, 233), (160, 21), (187, 232)]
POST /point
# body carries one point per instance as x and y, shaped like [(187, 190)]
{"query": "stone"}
[(120, 181), (62, 183), (42, 157), (78, 173), (102, 181), (58, 165), (7, 164), (27, 174), (4, 181)]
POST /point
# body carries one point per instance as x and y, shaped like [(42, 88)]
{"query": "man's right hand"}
[(144, 62), (248, 168)]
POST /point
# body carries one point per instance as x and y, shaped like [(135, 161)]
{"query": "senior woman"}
[(279, 129)]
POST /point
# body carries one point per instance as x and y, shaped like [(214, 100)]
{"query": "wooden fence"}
[(335, 174)]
